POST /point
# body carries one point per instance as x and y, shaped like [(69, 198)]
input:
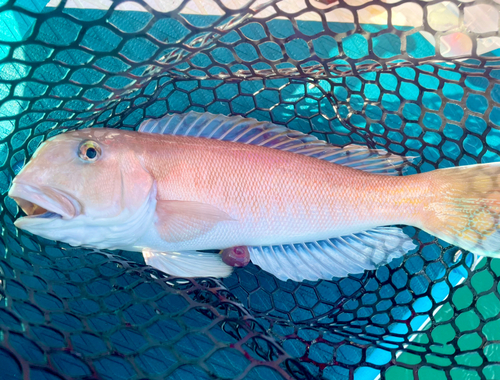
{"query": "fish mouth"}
[(43, 203)]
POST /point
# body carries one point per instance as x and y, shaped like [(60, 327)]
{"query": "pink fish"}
[(304, 209)]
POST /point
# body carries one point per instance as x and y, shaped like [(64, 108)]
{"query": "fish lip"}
[(55, 203)]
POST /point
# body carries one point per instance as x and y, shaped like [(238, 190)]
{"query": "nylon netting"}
[(418, 78)]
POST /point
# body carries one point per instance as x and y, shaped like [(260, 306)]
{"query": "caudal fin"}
[(465, 208)]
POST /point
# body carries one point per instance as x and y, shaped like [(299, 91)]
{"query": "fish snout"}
[(44, 201)]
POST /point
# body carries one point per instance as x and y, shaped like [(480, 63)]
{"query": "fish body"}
[(272, 196), (169, 195)]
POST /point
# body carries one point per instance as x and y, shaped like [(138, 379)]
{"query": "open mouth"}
[(44, 202), (33, 210)]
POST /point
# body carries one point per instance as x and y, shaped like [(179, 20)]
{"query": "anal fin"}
[(335, 257)]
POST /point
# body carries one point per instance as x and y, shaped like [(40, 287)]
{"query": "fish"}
[(305, 209)]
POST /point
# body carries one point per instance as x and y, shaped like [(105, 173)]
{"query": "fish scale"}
[(237, 178)]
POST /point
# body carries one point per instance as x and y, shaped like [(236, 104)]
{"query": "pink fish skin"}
[(165, 193), (276, 197)]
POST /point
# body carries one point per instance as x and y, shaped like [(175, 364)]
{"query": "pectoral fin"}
[(183, 221)]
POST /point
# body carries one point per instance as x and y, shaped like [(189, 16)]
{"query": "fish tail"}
[(464, 208)]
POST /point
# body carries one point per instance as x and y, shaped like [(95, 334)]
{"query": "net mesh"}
[(415, 78)]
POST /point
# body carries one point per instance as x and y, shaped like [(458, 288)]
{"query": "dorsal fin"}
[(263, 133)]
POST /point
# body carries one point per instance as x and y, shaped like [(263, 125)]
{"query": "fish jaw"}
[(42, 204), (81, 230)]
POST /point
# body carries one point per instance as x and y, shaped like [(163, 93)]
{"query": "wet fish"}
[(305, 209)]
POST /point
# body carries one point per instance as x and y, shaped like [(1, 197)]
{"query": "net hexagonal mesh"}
[(414, 78)]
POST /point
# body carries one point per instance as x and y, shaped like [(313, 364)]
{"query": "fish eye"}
[(89, 151)]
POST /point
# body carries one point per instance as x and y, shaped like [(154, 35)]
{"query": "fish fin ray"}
[(466, 209), (263, 133), (188, 263), (183, 220), (336, 257)]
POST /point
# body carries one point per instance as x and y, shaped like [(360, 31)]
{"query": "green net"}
[(414, 78)]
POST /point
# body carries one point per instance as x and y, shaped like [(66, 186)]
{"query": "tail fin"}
[(465, 208)]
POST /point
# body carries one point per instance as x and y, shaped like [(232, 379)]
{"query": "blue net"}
[(414, 78)]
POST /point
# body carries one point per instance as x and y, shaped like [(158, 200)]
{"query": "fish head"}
[(78, 180)]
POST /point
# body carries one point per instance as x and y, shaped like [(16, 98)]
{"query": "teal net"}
[(414, 78)]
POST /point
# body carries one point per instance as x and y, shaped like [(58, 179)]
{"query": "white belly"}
[(233, 233)]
